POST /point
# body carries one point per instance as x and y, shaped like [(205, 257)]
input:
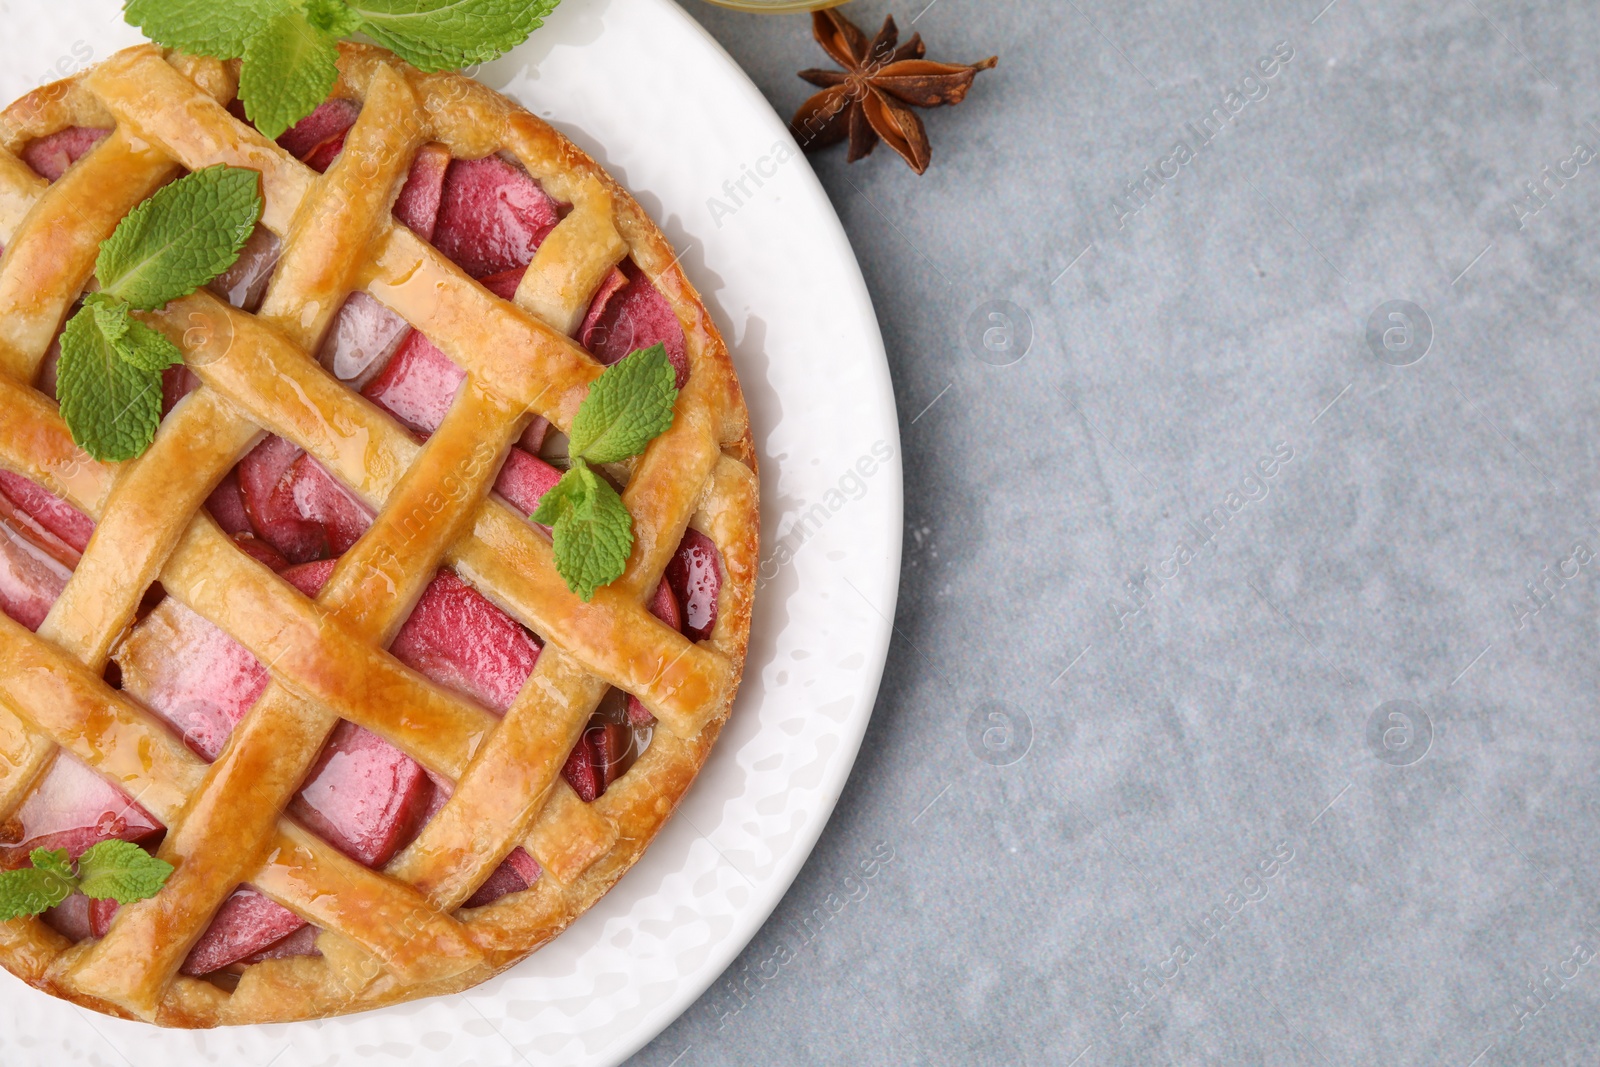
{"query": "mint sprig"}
[(30, 890), (628, 406), (111, 870), (121, 871), (207, 27), (111, 405), (290, 47), (289, 68), (178, 240), (109, 378), (444, 34)]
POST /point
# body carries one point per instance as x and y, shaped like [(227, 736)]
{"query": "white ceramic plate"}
[(644, 90)]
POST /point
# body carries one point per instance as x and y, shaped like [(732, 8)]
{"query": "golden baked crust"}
[(398, 933)]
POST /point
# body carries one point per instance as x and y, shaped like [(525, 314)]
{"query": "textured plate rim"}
[(771, 893)]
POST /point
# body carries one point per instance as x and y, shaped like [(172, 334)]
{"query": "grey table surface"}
[(1241, 704)]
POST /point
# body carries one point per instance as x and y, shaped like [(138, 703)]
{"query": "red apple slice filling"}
[(244, 284), (73, 808), (363, 338), (463, 642), (418, 203), (261, 552), (48, 510), (245, 925), (600, 757), (418, 385), (517, 873), (613, 740), (266, 481), (629, 313), (292, 503), (695, 574), (364, 796), (319, 498), (317, 139), (226, 504), (303, 942), (80, 917), (192, 675), (524, 480), (176, 383), (51, 156), (70, 918), (41, 540), (492, 216), (34, 567)]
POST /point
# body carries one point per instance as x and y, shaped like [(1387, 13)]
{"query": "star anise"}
[(873, 96)]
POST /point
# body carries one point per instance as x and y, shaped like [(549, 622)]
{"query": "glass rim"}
[(777, 7)]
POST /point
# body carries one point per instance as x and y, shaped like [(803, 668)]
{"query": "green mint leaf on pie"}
[(110, 315), (593, 530), (334, 16), (52, 860), (109, 379), (445, 34), (565, 494), (30, 890), (147, 349), (111, 405), (178, 240), (132, 339), (219, 28), (121, 871), (628, 406), (289, 68)]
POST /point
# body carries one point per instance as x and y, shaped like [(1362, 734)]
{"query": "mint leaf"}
[(52, 860), (109, 379), (289, 68), (121, 871), (593, 530), (133, 340), (219, 28), (111, 406), (628, 406), (290, 47), (445, 34), (31, 890), (110, 315), (148, 349), (178, 240), (562, 497), (334, 16)]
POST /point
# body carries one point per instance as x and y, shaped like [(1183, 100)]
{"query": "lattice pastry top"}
[(309, 648)]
